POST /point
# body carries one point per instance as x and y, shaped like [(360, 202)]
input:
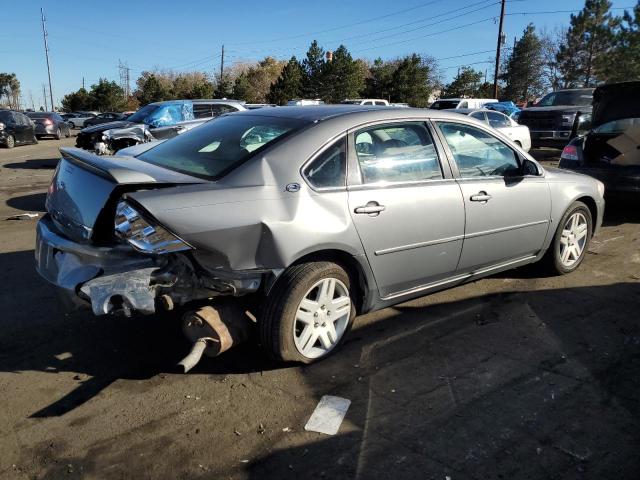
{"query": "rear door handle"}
[(481, 197), (371, 208)]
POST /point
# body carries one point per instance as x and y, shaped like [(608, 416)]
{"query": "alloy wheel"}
[(573, 239), (322, 318)]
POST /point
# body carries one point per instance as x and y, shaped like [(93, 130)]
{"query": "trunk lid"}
[(615, 101), (86, 188), (106, 126)]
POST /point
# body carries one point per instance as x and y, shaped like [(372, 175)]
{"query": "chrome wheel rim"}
[(573, 239), (322, 318)]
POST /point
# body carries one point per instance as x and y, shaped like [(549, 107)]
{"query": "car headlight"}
[(143, 234)]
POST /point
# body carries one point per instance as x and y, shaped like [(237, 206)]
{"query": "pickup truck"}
[(556, 119)]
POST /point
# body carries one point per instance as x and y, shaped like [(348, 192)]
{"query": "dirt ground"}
[(515, 376)]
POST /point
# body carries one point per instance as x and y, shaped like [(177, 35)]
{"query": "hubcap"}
[(573, 239), (322, 318)]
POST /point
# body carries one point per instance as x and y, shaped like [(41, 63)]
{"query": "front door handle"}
[(481, 197), (372, 209)]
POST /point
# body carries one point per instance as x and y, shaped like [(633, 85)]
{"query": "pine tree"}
[(412, 81), (524, 68), (378, 83), (313, 66), (623, 62), (587, 43), (342, 77), (289, 84), (465, 84)]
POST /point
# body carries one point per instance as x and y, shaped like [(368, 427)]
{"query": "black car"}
[(50, 124), (610, 151), (554, 120), (16, 129), (104, 118)]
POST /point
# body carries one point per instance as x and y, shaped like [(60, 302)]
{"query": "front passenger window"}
[(478, 154)]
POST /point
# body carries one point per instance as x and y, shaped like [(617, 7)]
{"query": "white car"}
[(77, 119), (507, 126), (365, 101), (461, 103)]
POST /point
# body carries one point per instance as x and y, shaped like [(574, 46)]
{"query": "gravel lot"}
[(515, 376)]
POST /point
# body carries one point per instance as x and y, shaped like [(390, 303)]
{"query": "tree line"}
[(597, 47)]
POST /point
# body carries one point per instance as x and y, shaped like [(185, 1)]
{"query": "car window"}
[(328, 169), (463, 105), (477, 153), (397, 153), (21, 119), (498, 120), (380, 103), (478, 116), (201, 110), (221, 109)]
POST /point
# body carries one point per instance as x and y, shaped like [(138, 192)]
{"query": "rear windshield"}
[(572, 98), (5, 116), (444, 104), (39, 115), (217, 147), (618, 126)]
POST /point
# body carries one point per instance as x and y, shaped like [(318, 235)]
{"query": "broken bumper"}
[(97, 276), (112, 279)]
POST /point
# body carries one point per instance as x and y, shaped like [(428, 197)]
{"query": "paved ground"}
[(515, 376)]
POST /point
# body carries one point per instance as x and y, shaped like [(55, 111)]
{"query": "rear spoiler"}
[(103, 167)]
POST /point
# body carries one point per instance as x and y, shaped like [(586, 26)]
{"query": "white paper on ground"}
[(328, 415)]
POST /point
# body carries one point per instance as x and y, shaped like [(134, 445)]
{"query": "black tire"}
[(58, 134), (68, 134), (277, 322), (10, 142), (552, 258)]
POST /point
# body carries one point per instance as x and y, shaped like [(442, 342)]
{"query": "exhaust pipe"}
[(213, 331)]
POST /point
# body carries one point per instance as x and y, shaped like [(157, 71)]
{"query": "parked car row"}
[(16, 128)]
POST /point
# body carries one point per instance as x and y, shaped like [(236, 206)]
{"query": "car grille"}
[(540, 120)]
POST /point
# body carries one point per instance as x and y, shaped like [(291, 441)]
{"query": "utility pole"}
[(33, 105), (46, 53), (500, 39), (83, 83), (44, 95)]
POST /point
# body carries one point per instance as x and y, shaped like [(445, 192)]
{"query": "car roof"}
[(199, 100), (315, 113)]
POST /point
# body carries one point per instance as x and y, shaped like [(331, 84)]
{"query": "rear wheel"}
[(58, 134), (10, 142), (569, 246), (68, 134), (308, 313)]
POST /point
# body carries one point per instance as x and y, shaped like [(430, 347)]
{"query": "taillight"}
[(570, 152), (47, 121)]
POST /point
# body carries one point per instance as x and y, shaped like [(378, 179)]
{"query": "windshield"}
[(444, 104), (141, 114), (5, 116), (38, 115), (220, 145), (571, 97)]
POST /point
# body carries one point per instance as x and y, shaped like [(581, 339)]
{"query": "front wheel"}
[(569, 246), (308, 313), (10, 142)]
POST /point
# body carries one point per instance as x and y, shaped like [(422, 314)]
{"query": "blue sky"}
[(88, 38)]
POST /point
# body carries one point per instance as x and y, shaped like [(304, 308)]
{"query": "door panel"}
[(506, 214), (409, 217), (416, 239), (513, 223)]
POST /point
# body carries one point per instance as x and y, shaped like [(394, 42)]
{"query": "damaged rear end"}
[(105, 251)]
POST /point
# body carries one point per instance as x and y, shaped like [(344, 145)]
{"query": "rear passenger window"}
[(221, 109), (401, 152), (328, 169), (498, 120), (201, 110)]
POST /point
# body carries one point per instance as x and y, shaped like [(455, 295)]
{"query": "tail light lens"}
[(47, 121), (570, 152), (144, 235)]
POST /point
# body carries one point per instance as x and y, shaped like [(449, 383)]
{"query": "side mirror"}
[(529, 168)]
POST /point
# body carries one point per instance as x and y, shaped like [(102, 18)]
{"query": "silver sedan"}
[(307, 217)]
